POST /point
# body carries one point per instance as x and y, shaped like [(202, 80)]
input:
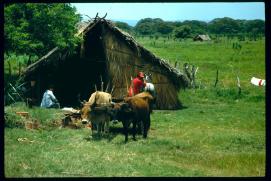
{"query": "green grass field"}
[(219, 133)]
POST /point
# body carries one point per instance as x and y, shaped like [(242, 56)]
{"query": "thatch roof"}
[(56, 56)]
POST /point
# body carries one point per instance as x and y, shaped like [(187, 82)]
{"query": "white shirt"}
[(48, 99)]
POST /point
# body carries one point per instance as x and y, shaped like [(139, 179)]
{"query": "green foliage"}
[(197, 27), (255, 26), (35, 28), (12, 120), (182, 32), (150, 26), (164, 28), (220, 26), (224, 26), (124, 26), (14, 65), (145, 27)]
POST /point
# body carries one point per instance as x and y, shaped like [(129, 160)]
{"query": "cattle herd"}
[(100, 110)]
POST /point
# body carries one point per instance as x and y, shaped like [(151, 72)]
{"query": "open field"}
[(218, 133)]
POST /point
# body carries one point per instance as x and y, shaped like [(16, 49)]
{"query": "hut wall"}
[(123, 62)]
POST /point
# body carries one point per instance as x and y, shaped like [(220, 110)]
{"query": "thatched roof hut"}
[(105, 52), (202, 38)]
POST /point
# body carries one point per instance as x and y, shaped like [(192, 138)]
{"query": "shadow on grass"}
[(113, 132), (183, 107)]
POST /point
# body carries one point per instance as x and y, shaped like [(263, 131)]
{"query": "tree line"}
[(187, 29)]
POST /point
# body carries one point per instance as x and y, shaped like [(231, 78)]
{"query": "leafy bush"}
[(13, 120)]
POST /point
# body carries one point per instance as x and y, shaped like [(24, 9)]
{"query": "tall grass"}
[(45, 117)]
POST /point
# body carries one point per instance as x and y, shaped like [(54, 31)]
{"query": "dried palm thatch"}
[(107, 52)]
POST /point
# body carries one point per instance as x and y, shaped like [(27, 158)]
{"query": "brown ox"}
[(137, 110), (96, 111), (147, 97)]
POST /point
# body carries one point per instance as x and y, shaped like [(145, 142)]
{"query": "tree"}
[(256, 27), (144, 28), (224, 26), (36, 28), (197, 27), (164, 28), (182, 32), (124, 26), (148, 26)]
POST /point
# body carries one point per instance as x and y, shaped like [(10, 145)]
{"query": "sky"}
[(173, 11)]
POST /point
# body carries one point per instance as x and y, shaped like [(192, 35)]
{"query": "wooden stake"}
[(112, 89), (102, 84), (239, 86), (107, 87), (132, 83), (126, 82)]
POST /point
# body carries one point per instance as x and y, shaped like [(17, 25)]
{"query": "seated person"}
[(49, 100)]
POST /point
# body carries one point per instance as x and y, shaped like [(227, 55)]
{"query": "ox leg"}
[(99, 127), (146, 126), (92, 130), (145, 132), (125, 124), (148, 122), (134, 130), (101, 130), (107, 127), (139, 127)]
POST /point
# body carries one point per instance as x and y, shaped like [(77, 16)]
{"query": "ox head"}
[(85, 113), (96, 98), (121, 111)]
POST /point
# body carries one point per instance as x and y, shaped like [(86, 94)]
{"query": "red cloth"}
[(138, 84)]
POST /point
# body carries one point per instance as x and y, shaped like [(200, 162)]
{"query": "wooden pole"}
[(107, 87), (126, 82), (193, 76), (112, 89), (102, 84), (239, 86), (132, 83)]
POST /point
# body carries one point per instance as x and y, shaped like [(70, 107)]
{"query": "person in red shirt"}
[(138, 85)]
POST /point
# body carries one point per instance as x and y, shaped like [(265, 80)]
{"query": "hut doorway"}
[(77, 77)]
